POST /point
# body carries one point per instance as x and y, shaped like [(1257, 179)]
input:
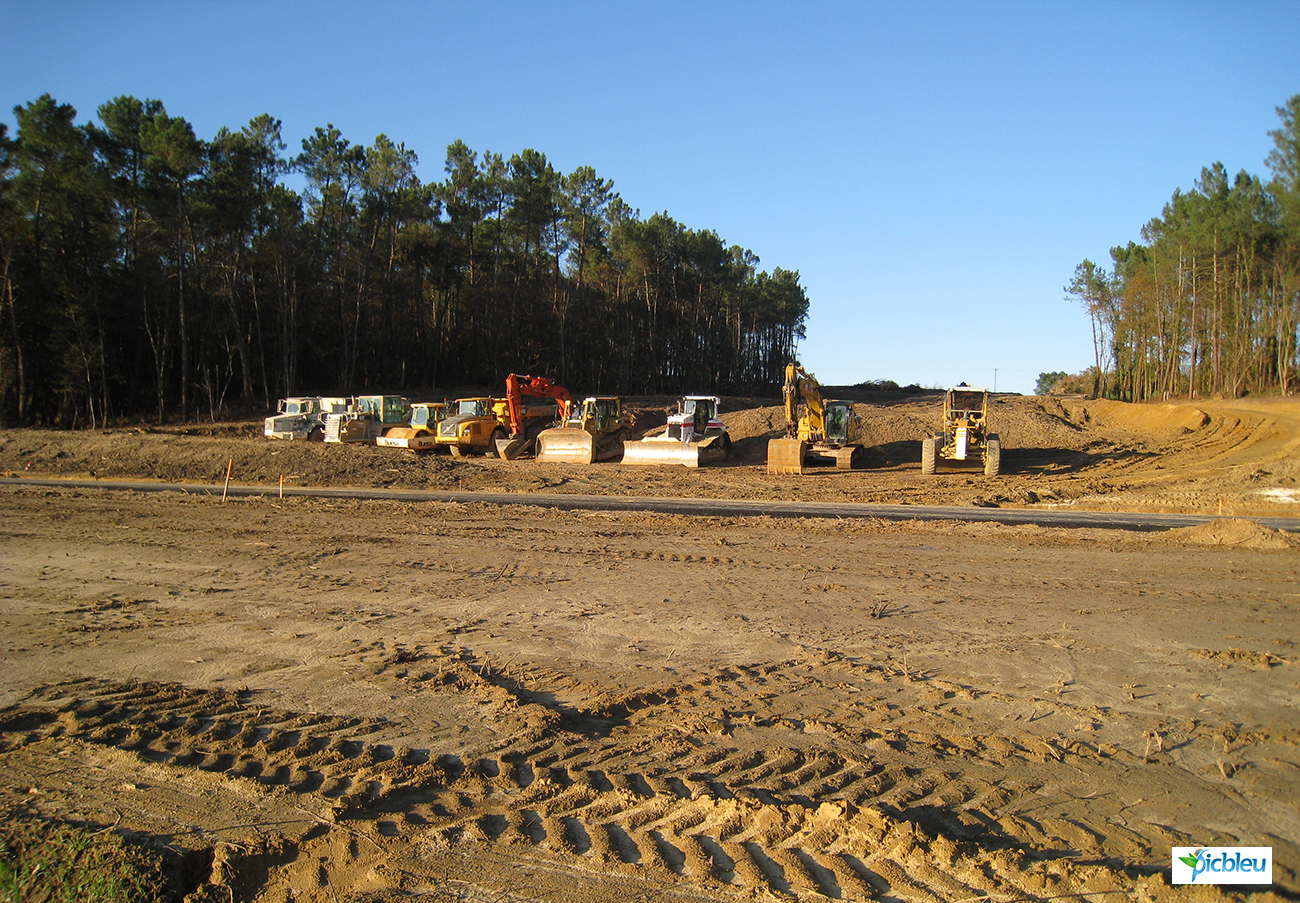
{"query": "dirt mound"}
[(1152, 419), (1233, 531)]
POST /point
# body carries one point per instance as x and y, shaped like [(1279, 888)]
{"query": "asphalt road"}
[(1043, 517)]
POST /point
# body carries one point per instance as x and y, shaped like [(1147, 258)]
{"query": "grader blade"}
[(786, 455), (566, 445)]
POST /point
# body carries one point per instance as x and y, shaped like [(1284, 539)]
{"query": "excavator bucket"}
[(663, 451), (786, 455), (566, 445), (509, 449)]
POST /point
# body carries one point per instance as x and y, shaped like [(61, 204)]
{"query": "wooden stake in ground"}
[(281, 485), (230, 465)]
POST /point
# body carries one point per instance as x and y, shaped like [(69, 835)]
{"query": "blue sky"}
[(934, 171)]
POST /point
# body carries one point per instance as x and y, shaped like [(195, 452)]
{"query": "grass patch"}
[(51, 862)]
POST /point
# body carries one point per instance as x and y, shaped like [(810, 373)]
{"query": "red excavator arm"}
[(518, 385)]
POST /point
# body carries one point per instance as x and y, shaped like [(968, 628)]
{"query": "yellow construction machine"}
[(826, 432), (473, 425), (366, 418), (695, 435), (965, 439), (421, 435), (594, 431)]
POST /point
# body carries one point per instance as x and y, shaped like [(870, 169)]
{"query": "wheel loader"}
[(420, 436), (594, 431), (694, 435), (367, 418), (965, 440), (827, 432), (526, 421)]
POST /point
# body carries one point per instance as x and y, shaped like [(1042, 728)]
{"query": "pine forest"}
[(150, 273), (1209, 302)]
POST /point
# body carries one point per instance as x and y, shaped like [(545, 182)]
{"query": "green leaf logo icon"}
[(1189, 861)]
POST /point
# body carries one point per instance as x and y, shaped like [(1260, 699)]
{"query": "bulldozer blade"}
[(660, 451), (786, 455), (509, 449), (565, 445)]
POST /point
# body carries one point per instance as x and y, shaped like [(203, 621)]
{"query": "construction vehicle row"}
[(538, 417)]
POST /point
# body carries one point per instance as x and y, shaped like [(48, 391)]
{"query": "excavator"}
[(594, 431), (695, 435), (525, 423), (827, 432)]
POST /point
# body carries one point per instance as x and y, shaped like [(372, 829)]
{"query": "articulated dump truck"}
[(695, 435), (594, 431)]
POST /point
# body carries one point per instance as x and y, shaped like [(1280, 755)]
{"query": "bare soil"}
[(306, 699)]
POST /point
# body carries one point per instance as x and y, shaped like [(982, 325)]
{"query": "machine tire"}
[(992, 456), (497, 433), (929, 454), (316, 434), (457, 451)]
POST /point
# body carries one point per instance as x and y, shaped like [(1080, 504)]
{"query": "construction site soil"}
[(321, 699)]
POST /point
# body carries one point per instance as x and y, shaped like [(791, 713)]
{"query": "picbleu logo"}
[(1223, 865)]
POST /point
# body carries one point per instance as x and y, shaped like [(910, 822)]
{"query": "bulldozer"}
[(694, 435), (420, 436), (593, 431), (526, 421), (965, 439), (827, 432), (367, 418)]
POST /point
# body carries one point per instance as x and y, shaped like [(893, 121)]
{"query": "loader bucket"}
[(566, 445), (786, 455), (660, 451)]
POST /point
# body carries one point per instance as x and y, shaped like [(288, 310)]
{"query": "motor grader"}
[(420, 435), (367, 418), (694, 435), (594, 431), (826, 432), (965, 439)]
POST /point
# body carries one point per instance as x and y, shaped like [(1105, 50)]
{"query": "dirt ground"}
[(307, 699)]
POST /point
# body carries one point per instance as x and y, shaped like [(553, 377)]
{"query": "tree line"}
[(146, 271), (1209, 302)]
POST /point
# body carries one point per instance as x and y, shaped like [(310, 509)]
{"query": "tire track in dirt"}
[(798, 823)]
